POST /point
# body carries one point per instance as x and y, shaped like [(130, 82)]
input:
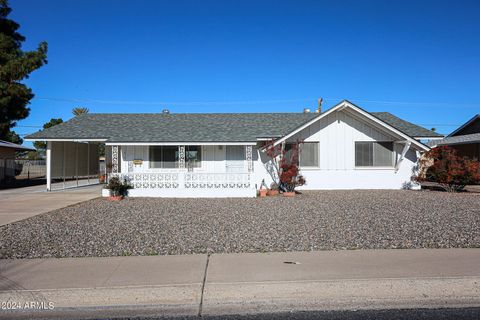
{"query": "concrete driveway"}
[(21, 203)]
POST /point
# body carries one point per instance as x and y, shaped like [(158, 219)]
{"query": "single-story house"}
[(222, 155), (7, 159), (466, 139)]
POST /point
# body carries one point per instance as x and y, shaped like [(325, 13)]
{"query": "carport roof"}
[(10, 145), (195, 127)]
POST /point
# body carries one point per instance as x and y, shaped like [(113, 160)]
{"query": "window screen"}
[(309, 154), (373, 154), (163, 157), (155, 157), (169, 157)]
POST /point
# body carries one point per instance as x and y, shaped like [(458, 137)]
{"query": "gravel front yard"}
[(320, 220)]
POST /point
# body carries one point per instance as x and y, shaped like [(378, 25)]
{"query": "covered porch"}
[(184, 170)]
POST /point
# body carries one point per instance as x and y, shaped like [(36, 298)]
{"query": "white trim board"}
[(181, 143)]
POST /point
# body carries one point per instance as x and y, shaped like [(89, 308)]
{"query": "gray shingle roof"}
[(10, 145), (195, 127), (406, 127), (467, 138), (180, 127)]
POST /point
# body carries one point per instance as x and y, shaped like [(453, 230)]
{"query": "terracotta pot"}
[(272, 192), (263, 193), (115, 198), (289, 194)]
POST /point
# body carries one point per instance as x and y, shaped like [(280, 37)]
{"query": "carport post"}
[(88, 162), (76, 161), (63, 162), (49, 165)]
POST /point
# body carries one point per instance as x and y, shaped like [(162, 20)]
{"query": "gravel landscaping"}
[(320, 220)]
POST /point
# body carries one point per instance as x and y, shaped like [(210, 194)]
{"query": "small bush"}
[(118, 187)]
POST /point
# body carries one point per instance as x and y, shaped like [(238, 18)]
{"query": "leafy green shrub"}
[(118, 187)]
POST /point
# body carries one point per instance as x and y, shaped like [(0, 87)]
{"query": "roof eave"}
[(347, 104), (176, 143), (477, 116)]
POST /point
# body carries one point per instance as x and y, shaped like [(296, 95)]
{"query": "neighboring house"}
[(7, 159), (221, 155), (466, 139)]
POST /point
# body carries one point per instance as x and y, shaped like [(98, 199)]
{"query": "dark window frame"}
[(373, 161), (198, 163), (288, 148), (163, 159)]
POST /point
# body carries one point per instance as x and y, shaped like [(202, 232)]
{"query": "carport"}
[(73, 163)]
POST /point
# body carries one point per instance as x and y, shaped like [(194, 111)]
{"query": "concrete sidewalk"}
[(21, 203), (244, 283)]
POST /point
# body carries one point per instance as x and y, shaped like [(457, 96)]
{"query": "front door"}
[(235, 158)]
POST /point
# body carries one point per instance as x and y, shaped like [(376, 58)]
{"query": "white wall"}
[(336, 135)]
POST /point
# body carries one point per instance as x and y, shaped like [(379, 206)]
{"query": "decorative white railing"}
[(150, 180), (216, 180), (186, 180)]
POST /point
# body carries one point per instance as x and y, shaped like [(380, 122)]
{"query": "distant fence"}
[(7, 169), (21, 169), (11, 169), (30, 169)]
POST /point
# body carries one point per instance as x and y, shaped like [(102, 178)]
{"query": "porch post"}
[(181, 157), (49, 165), (63, 162), (76, 161), (248, 156), (114, 159), (88, 162)]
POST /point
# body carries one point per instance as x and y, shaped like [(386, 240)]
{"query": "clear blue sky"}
[(416, 59)]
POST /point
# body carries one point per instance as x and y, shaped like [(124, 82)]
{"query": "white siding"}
[(336, 135)]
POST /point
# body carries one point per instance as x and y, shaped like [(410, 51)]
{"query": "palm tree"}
[(80, 110)]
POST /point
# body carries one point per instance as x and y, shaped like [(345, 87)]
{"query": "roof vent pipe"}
[(306, 110), (319, 108)]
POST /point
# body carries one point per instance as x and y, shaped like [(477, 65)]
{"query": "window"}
[(308, 155), (193, 156), (163, 157), (167, 157), (373, 154)]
